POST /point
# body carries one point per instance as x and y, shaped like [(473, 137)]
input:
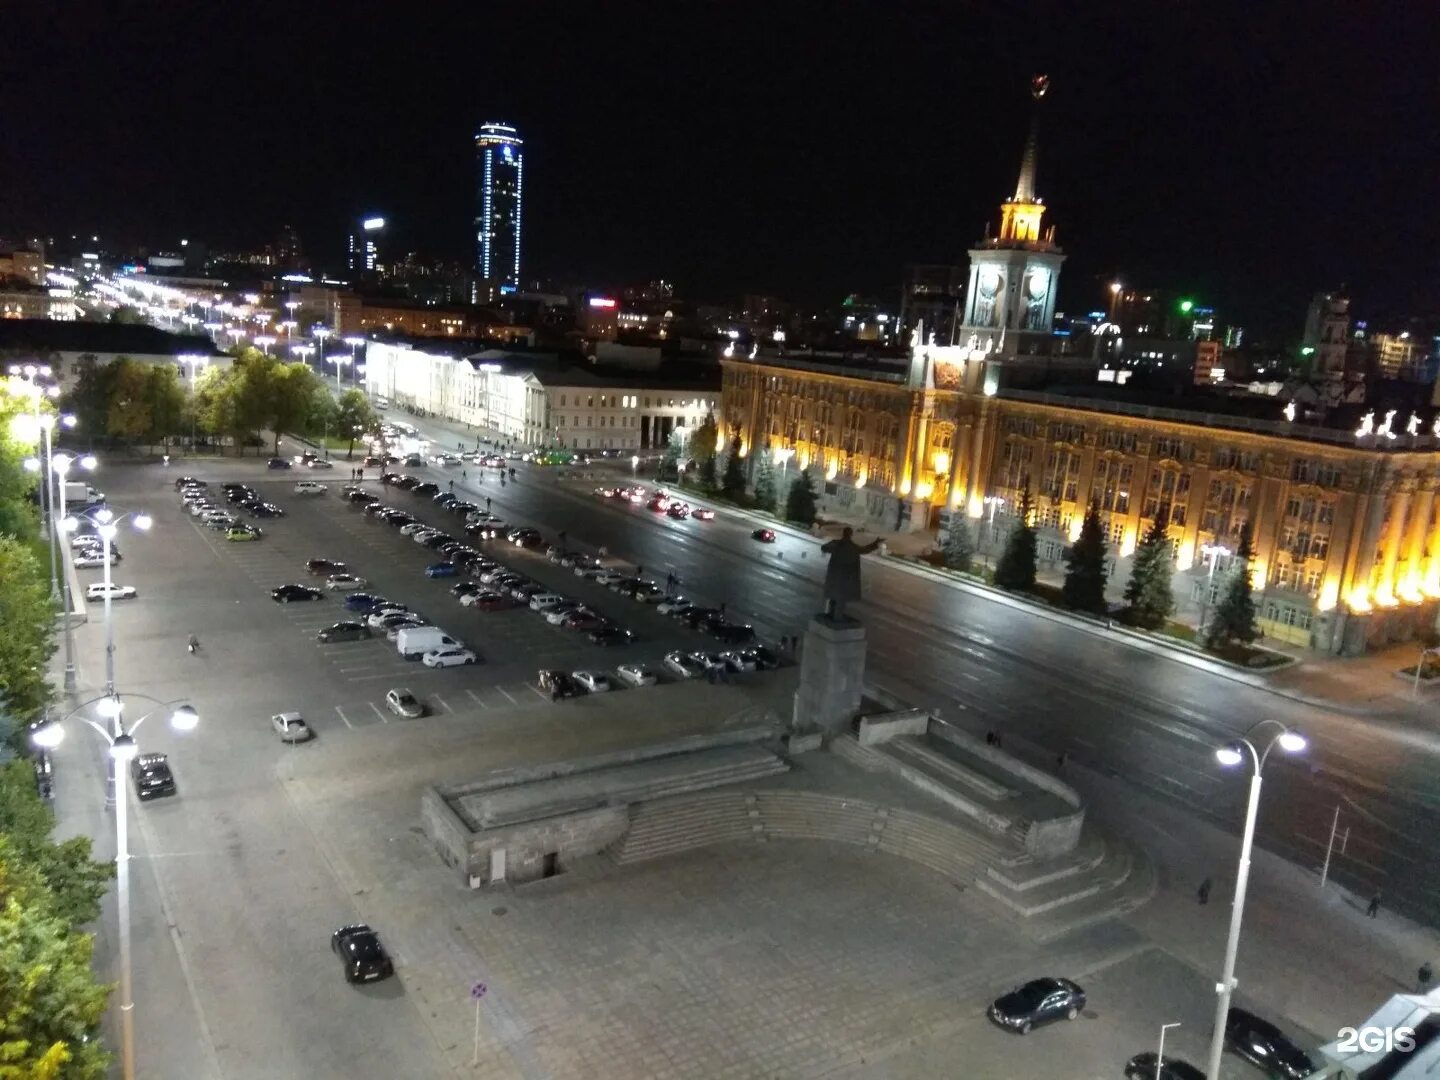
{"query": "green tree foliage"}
[(674, 447), (702, 443), (289, 394), (733, 480), (1147, 593), (75, 881), (166, 398), (1085, 573), (707, 472), (354, 417), (130, 316), (89, 398), (26, 639), (959, 549), (128, 415), (766, 489), (1234, 616), (19, 514), (800, 502), (1016, 569)]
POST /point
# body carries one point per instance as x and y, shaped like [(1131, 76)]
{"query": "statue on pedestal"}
[(842, 573)]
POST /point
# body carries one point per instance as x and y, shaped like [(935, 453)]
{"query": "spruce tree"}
[(707, 473), (765, 487), (1148, 593), (1016, 569), (1085, 574), (1234, 618), (959, 549), (800, 502), (732, 481)]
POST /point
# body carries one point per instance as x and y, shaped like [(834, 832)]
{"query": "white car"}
[(636, 675), (560, 612), (198, 508), (451, 657), (85, 541), (344, 582), (310, 487), (594, 682), (376, 619), (404, 703), (608, 577), (545, 600), (684, 665), (673, 605), (738, 661), (649, 593), (92, 558), (413, 528), (487, 576), (117, 592), (424, 534), (319, 463), (291, 727)]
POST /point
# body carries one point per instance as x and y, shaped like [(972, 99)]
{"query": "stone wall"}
[(882, 727), (569, 837), (980, 749)]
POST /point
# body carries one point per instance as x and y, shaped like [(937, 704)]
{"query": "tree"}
[(128, 414), (707, 473), (26, 643), (765, 486), (19, 513), (1148, 593), (288, 393), (165, 398), (1234, 617), (674, 448), (50, 1004), (1085, 573), (702, 443), (733, 481), (1016, 569), (354, 416), (89, 398), (800, 502), (959, 549), (75, 881)]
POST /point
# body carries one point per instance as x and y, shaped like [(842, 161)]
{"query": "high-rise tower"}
[(1010, 301), (500, 165)]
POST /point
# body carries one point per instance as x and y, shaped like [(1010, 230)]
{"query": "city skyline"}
[(732, 170)]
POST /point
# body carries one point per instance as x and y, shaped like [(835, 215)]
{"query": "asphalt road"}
[(1149, 719)]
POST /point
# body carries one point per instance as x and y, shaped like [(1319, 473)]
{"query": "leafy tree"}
[(26, 641), (800, 502), (166, 399), (19, 515), (354, 416), (128, 415), (1085, 573), (75, 881), (50, 1004), (130, 316), (1148, 593), (707, 472), (766, 489), (959, 549), (733, 481), (89, 398), (674, 447), (1016, 568), (1234, 617), (702, 443)]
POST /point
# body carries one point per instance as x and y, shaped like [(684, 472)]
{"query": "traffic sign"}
[(478, 991)]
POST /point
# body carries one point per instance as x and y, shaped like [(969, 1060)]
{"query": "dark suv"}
[(1263, 1044), (152, 776), (558, 685)]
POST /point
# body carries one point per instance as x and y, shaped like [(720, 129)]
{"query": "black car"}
[(439, 540), (1263, 1044), (152, 776), (445, 498), (761, 657), (343, 631), (362, 498), (466, 588), (264, 510), (529, 538), (425, 488), (698, 617), (277, 463), (1142, 1067), (558, 685), (325, 567), (610, 635), (240, 495), (234, 485), (765, 536), (388, 478), (189, 481), (405, 483), (361, 953), (285, 594), (730, 633), (1040, 1001)]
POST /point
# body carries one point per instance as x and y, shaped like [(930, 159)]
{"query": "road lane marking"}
[(381, 715), (441, 700), (344, 717), (507, 695), (537, 690), (477, 699)]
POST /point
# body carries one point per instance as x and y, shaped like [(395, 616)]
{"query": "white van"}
[(415, 641)]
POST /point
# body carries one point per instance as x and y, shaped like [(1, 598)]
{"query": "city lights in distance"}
[(371, 224), (605, 302)]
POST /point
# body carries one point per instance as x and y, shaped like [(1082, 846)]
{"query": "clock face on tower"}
[(1037, 284), (989, 281)]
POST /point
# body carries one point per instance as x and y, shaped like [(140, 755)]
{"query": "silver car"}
[(404, 703), (291, 727)]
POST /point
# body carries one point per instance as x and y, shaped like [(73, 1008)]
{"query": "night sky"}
[(1246, 153)]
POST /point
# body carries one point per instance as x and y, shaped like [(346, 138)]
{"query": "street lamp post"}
[(264, 341), (1211, 553), (62, 465), (354, 343), (993, 503), (122, 750), (1291, 742), (108, 526), (320, 333), (340, 362), (1160, 1052)]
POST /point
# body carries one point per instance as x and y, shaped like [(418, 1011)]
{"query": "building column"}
[(963, 429), (1394, 539), (1418, 535), (1365, 535), (974, 483)]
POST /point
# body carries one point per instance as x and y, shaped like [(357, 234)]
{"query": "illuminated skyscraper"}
[(365, 245), (500, 164)]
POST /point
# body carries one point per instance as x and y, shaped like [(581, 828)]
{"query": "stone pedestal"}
[(832, 675)]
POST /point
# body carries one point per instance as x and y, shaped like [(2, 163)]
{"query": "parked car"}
[(684, 665), (441, 569), (264, 510), (286, 594), (465, 588), (404, 703), (765, 536), (674, 605), (610, 635), (291, 727), (310, 487), (151, 776), (583, 620), (394, 621), (637, 675), (1264, 1045), (98, 591), (737, 661), (1143, 1067), (451, 656), (557, 615), (240, 533), (363, 602), (189, 481), (1039, 1001), (543, 601), (593, 682), (343, 631), (486, 601), (761, 657), (361, 955), (730, 633), (698, 617), (92, 557), (377, 616), (424, 488), (557, 684)]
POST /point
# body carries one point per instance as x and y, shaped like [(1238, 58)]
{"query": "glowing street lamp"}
[(264, 341), (1230, 755), (1211, 553), (108, 526)]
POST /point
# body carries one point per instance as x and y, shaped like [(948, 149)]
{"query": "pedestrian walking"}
[(1060, 761), (452, 485), (1203, 893), (1425, 976), (1373, 909), (990, 739), (463, 475), (487, 502)]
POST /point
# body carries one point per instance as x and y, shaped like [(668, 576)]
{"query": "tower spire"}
[(1025, 186)]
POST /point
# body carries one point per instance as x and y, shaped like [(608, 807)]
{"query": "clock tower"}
[(1010, 299)]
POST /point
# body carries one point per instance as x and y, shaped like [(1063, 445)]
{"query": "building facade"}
[(500, 165)]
